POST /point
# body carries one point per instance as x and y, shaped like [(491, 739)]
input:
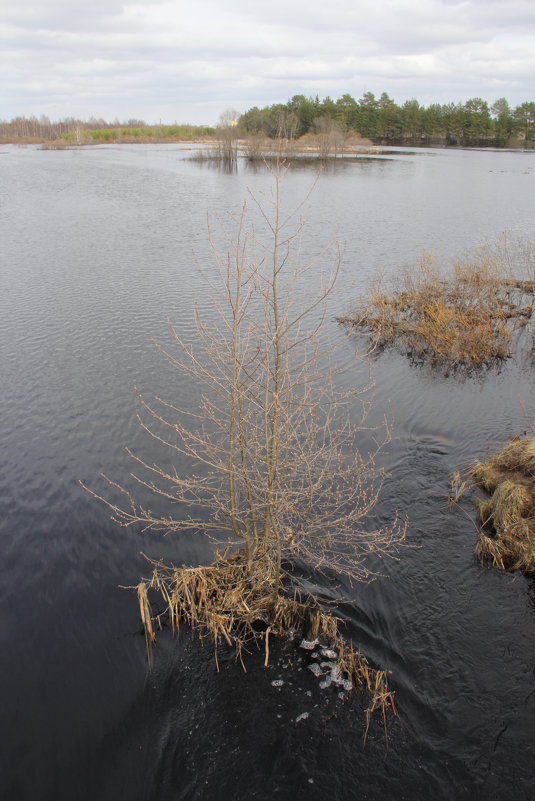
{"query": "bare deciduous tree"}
[(330, 136), (271, 459), (227, 134)]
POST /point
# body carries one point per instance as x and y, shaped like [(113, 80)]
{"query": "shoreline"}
[(295, 147)]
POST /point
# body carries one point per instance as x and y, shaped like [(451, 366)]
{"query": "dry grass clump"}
[(363, 677), (466, 317), (222, 602), (509, 512)]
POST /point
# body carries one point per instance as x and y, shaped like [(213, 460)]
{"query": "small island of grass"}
[(466, 317)]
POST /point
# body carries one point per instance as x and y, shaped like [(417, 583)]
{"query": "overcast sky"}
[(189, 60)]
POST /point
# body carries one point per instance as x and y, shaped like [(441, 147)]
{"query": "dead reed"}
[(466, 317), (363, 677), (224, 604), (507, 539)]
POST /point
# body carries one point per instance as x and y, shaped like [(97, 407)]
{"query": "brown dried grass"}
[(509, 513), (466, 317), (364, 677), (224, 603)]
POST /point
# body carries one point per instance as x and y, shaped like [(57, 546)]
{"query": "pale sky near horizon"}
[(190, 61)]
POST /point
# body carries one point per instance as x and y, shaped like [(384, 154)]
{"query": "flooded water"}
[(96, 253)]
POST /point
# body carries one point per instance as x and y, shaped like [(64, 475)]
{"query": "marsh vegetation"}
[(467, 316), (507, 514)]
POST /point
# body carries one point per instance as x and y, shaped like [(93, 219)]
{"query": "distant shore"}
[(254, 146)]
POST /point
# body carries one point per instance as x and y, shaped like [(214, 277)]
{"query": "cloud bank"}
[(188, 61)]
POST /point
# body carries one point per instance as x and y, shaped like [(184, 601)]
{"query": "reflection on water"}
[(97, 252)]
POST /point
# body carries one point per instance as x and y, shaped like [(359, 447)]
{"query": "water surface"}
[(97, 251)]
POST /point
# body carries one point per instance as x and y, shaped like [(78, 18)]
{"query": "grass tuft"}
[(224, 604), (507, 539)]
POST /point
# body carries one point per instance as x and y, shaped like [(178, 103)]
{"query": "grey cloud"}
[(153, 58)]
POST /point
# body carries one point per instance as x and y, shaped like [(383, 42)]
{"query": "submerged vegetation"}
[(507, 538), (272, 469), (465, 317)]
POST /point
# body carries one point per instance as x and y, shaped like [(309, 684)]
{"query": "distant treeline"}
[(381, 120), (473, 123), (70, 130)]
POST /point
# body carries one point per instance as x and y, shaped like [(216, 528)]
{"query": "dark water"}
[(96, 252)]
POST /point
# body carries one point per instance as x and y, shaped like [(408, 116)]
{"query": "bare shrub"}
[(272, 468), (257, 146), (227, 138), (329, 135)]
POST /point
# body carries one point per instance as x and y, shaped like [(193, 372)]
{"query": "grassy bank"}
[(148, 133), (141, 134)]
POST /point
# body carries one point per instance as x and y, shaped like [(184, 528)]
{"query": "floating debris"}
[(338, 678), (336, 674), (302, 716), (331, 674), (328, 653), (308, 645), (277, 683)]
